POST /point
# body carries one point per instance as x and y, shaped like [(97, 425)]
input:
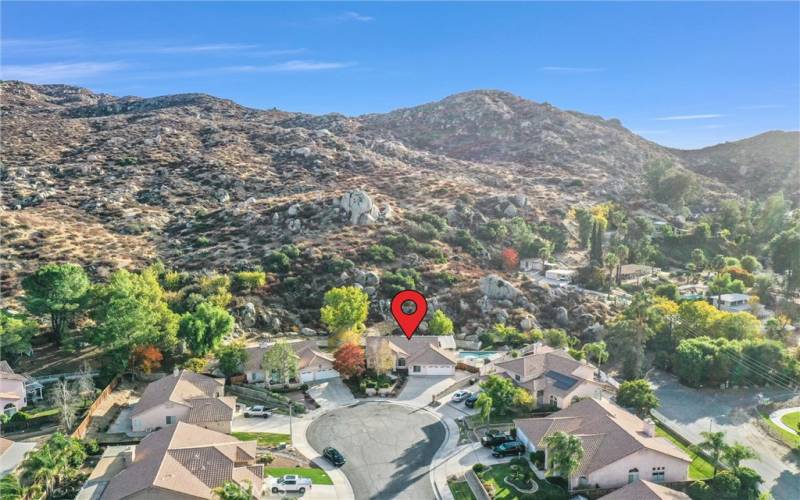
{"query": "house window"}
[(658, 474), (170, 419), (401, 361), (516, 377), (633, 475), (553, 400), (583, 482), (417, 368), (10, 409)]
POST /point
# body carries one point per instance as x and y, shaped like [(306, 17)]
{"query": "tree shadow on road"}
[(413, 465)]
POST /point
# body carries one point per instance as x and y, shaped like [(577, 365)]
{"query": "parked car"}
[(256, 411), (495, 438), (460, 396), (470, 401), (333, 456), (291, 483), (509, 448)]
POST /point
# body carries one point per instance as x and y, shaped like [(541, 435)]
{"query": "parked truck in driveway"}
[(291, 483), (256, 411)]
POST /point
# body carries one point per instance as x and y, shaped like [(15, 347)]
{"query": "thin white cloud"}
[(27, 45), (58, 72), (570, 69), (290, 66), (761, 106), (689, 117), (652, 132), (211, 47), (355, 16)]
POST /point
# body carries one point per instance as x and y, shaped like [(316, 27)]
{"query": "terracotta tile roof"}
[(608, 432), (420, 349), (211, 409), (179, 389), (186, 459), (645, 490), (306, 350)]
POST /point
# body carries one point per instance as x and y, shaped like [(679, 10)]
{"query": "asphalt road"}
[(692, 411), (388, 448)]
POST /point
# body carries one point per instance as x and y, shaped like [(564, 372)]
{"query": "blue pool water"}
[(476, 354)]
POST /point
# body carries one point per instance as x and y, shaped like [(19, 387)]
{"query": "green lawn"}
[(496, 473), (461, 490), (700, 468), (792, 420), (317, 476), (263, 438), (791, 440)]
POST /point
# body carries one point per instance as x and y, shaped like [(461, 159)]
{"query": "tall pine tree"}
[(596, 248)]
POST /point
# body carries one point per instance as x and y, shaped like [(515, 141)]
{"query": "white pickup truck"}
[(256, 411), (291, 483)]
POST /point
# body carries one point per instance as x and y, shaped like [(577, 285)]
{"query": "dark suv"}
[(509, 448), (494, 438), (333, 455), (470, 401)]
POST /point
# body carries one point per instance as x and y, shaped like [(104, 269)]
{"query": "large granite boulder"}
[(497, 288), (359, 207)]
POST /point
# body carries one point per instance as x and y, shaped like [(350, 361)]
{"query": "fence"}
[(80, 431)]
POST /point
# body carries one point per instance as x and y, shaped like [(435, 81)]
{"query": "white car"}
[(460, 396), (256, 411), (291, 483)]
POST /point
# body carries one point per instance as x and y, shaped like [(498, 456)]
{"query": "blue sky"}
[(681, 74)]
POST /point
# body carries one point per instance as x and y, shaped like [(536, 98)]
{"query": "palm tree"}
[(621, 251), (611, 262), (231, 490), (565, 452), (43, 467), (714, 444), (596, 351), (733, 455), (10, 487), (484, 402)]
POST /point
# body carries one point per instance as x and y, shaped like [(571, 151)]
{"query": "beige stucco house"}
[(645, 490), (553, 376), (312, 363), (417, 356), (184, 396), (12, 390), (619, 448), (182, 462)]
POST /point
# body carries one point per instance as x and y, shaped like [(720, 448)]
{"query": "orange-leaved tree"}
[(349, 360), (510, 259), (147, 358)]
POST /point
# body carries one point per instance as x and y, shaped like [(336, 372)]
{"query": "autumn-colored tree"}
[(147, 358), (510, 259), (349, 360)]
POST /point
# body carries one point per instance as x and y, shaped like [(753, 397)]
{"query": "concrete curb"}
[(775, 416)]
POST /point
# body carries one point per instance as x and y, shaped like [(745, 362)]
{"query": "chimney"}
[(129, 455), (649, 428), (176, 371)]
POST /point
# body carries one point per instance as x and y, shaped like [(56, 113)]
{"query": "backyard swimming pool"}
[(477, 354)]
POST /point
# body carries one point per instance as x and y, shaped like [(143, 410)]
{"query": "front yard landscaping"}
[(317, 476), (460, 490), (267, 439), (789, 439), (700, 468), (494, 480)]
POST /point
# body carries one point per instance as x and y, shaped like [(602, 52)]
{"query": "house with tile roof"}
[(553, 376), (13, 396), (417, 356), (313, 364), (618, 447), (645, 490), (184, 461), (184, 396)]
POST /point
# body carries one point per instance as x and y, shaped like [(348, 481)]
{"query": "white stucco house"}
[(313, 364), (732, 302), (554, 377), (619, 448), (13, 396), (184, 396), (560, 275), (418, 356)]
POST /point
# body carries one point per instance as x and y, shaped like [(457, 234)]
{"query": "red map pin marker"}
[(409, 322)]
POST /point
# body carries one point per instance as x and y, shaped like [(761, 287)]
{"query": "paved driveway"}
[(389, 448), (331, 394), (692, 411), (14, 456)]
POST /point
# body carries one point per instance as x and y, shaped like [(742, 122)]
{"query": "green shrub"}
[(174, 280), (379, 253), (92, 447), (277, 262), (203, 241), (336, 265), (478, 468), (248, 280), (290, 251), (402, 279), (464, 239)]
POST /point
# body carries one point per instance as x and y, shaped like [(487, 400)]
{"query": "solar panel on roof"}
[(561, 381)]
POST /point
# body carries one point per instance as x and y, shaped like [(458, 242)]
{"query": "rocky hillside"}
[(760, 165), (206, 185)]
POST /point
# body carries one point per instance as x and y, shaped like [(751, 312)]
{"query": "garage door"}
[(320, 375), (438, 370)]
